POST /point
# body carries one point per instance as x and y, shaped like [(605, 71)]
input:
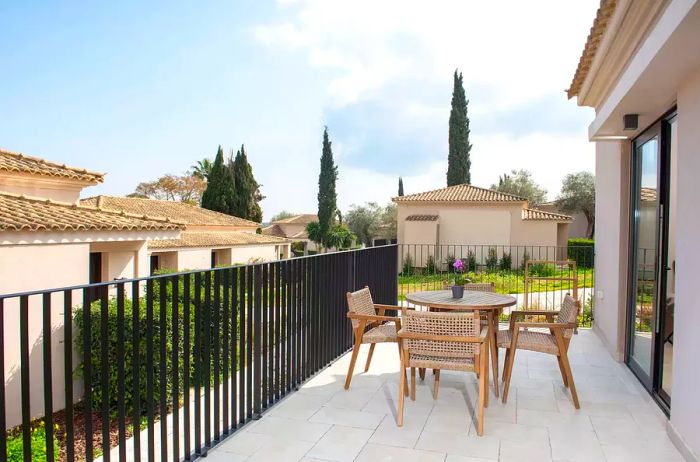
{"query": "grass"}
[(506, 282)]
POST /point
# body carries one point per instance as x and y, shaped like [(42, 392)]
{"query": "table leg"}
[(493, 331)]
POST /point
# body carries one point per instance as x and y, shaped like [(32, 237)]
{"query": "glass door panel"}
[(645, 251)]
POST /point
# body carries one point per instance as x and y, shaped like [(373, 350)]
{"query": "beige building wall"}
[(61, 190), (193, 259), (253, 253), (480, 225), (33, 267)]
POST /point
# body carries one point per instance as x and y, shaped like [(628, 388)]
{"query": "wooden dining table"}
[(488, 304)]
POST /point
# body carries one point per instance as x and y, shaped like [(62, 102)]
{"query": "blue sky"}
[(138, 90)]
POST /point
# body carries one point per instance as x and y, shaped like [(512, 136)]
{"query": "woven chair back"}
[(360, 302), (440, 324), (568, 313)]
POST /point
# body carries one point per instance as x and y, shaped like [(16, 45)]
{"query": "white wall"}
[(192, 259), (248, 254), (610, 161), (475, 225), (34, 267), (685, 411)]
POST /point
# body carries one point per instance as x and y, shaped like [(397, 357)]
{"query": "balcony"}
[(247, 363)]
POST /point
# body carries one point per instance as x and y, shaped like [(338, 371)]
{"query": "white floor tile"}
[(347, 417), (460, 444), (340, 444), (381, 453)]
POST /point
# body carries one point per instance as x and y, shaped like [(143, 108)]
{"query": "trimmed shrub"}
[(430, 267), (582, 251), (506, 261), (407, 267), (470, 264), (491, 260), (526, 258), (543, 270)]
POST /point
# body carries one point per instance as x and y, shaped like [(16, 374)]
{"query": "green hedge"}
[(582, 251), (15, 446), (95, 350)]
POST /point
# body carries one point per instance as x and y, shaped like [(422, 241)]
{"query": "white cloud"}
[(512, 54)]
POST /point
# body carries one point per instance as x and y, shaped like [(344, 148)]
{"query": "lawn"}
[(506, 282)]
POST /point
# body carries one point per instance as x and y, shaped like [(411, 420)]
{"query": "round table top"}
[(472, 299)]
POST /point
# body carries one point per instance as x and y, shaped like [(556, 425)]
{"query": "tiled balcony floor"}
[(322, 422)]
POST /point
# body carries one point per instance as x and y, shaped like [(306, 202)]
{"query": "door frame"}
[(662, 129)]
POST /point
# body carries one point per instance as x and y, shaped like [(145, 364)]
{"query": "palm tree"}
[(313, 229), (202, 168)]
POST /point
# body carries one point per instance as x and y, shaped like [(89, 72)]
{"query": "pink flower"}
[(458, 265)]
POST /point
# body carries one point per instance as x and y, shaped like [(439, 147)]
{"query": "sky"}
[(141, 89)]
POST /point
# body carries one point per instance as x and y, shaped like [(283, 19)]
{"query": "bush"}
[(586, 318), (582, 251), (207, 331), (298, 248), (407, 267), (470, 264), (543, 270), (450, 261), (506, 261), (15, 448), (526, 258), (491, 260), (430, 267)]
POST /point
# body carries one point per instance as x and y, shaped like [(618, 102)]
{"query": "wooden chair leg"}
[(509, 372), (355, 351), (493, 330), (402, 387), (421, 373), (413, 384), (563, 372), (483, 390), (403, 369), (567, 369), (477, 361), (485, 373), (369, 356), (505, 364), (437, 384)]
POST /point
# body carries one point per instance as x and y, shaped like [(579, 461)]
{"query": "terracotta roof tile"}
[(273, 230), (21, 213), (179, 211), (531, 214), (460, 193), (16, 162), (215, 239), (648, 194), (301, 219), (422, 218), (600, 25)]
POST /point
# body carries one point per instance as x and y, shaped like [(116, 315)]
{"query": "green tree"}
[(364, 221), (327, 196), (458, 162), (340, 237), (520, 183), (400, 186), (248, 197), (221, 188), (202, 168), (313, 230), (388, 221), (578, 195)]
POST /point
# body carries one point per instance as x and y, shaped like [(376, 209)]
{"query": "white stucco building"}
[(640, 71)]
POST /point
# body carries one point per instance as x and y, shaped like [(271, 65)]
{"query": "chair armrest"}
[(371, 317), (533, 312), (547, 325), (442, 338)]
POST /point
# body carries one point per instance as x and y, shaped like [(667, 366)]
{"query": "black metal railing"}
[(429, 267), (165, 367)]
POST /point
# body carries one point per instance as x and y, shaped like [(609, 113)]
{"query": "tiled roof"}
[(301, 235), (298, 219), (273, 230), (422, 218), (215, 239), (16, 162), (21, 213), (605, 12), (531, 214), (179, 211), (460, 193)]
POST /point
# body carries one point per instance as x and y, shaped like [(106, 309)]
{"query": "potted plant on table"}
[(459, 279)]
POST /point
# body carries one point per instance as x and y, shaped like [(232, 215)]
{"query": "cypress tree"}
[(458, 162), (220, 193), (246, 204), (400, 186), (326, 189)]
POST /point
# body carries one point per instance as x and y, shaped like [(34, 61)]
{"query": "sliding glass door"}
[(652, 258)]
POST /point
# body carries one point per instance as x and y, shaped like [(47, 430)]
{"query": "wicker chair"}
[(450, 341), (364, 313), (555, 342)]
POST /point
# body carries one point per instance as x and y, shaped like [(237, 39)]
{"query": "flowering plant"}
[(458, 266)]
